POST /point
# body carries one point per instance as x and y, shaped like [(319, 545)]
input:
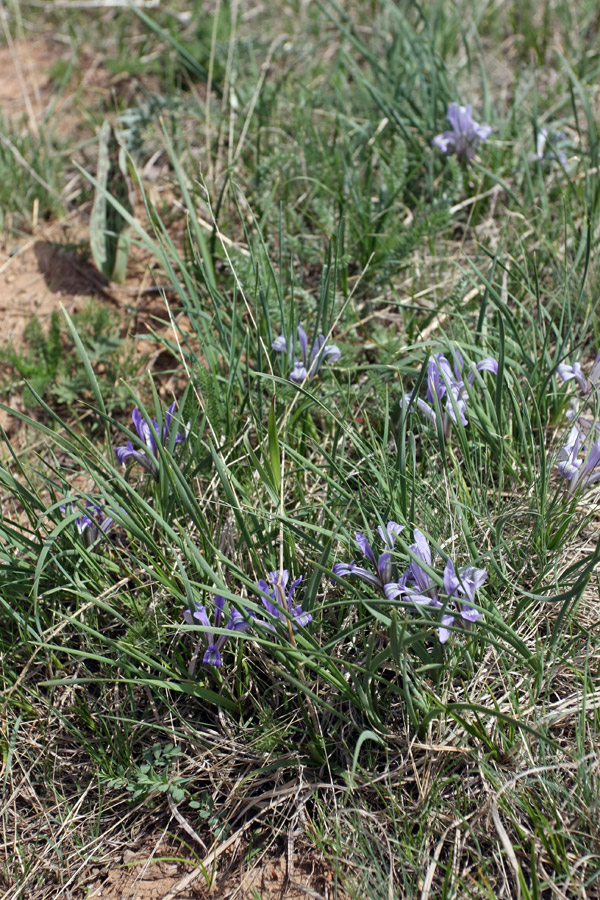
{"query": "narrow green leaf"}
[(274, 453)]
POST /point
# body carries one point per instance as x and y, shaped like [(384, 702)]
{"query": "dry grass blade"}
[(507, 845)]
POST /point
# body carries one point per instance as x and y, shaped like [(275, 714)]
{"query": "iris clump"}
[(91, 525), (381, 564), (277, 599), (279, 604), (466, 134), (456, 599), (305, 364), (417, 585), (150, 434), (447, 391), (214, 644), (579, 458)]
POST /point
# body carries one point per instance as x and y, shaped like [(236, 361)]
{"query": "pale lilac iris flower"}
[(305, 364), (585, 383), (91, 526), (148, 433), (278, 600), (465, 136), (448, 384), (580, 470), (416, 584), (460, 587), (381, 564), (546, 148), (458, 595), (214, 643)]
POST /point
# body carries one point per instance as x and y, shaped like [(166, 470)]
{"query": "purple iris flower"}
[(546, 149), (568, 462), (416, 584), (89, 527), (443, 382), (460, 587), (278, 604), (466, 134), (236, 625), (586, 383), (382, 563), (148, 433), (457, 598), (310, 363), (580, 473)]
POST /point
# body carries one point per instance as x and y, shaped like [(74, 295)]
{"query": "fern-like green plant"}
[(39, 362)]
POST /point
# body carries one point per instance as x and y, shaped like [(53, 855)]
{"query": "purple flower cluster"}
[(236, 625), (280, 605), (416, 584), (466, 134), (90, 526), (455, 601), (308, 364), (579, 458), (277, 600), (150, 434), (382, 564), (448, 386)]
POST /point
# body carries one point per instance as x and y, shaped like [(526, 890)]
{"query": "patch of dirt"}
[(29, 97), (310, 877), (38, 279), (35, 279), (45, 271), (36, 276), (141, 876), (48, 271), (25, 88)]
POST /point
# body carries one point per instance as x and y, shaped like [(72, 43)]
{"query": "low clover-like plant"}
[(210, 814), (153, 776)]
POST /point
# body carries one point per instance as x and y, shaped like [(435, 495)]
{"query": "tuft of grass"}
[(31, 170)]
